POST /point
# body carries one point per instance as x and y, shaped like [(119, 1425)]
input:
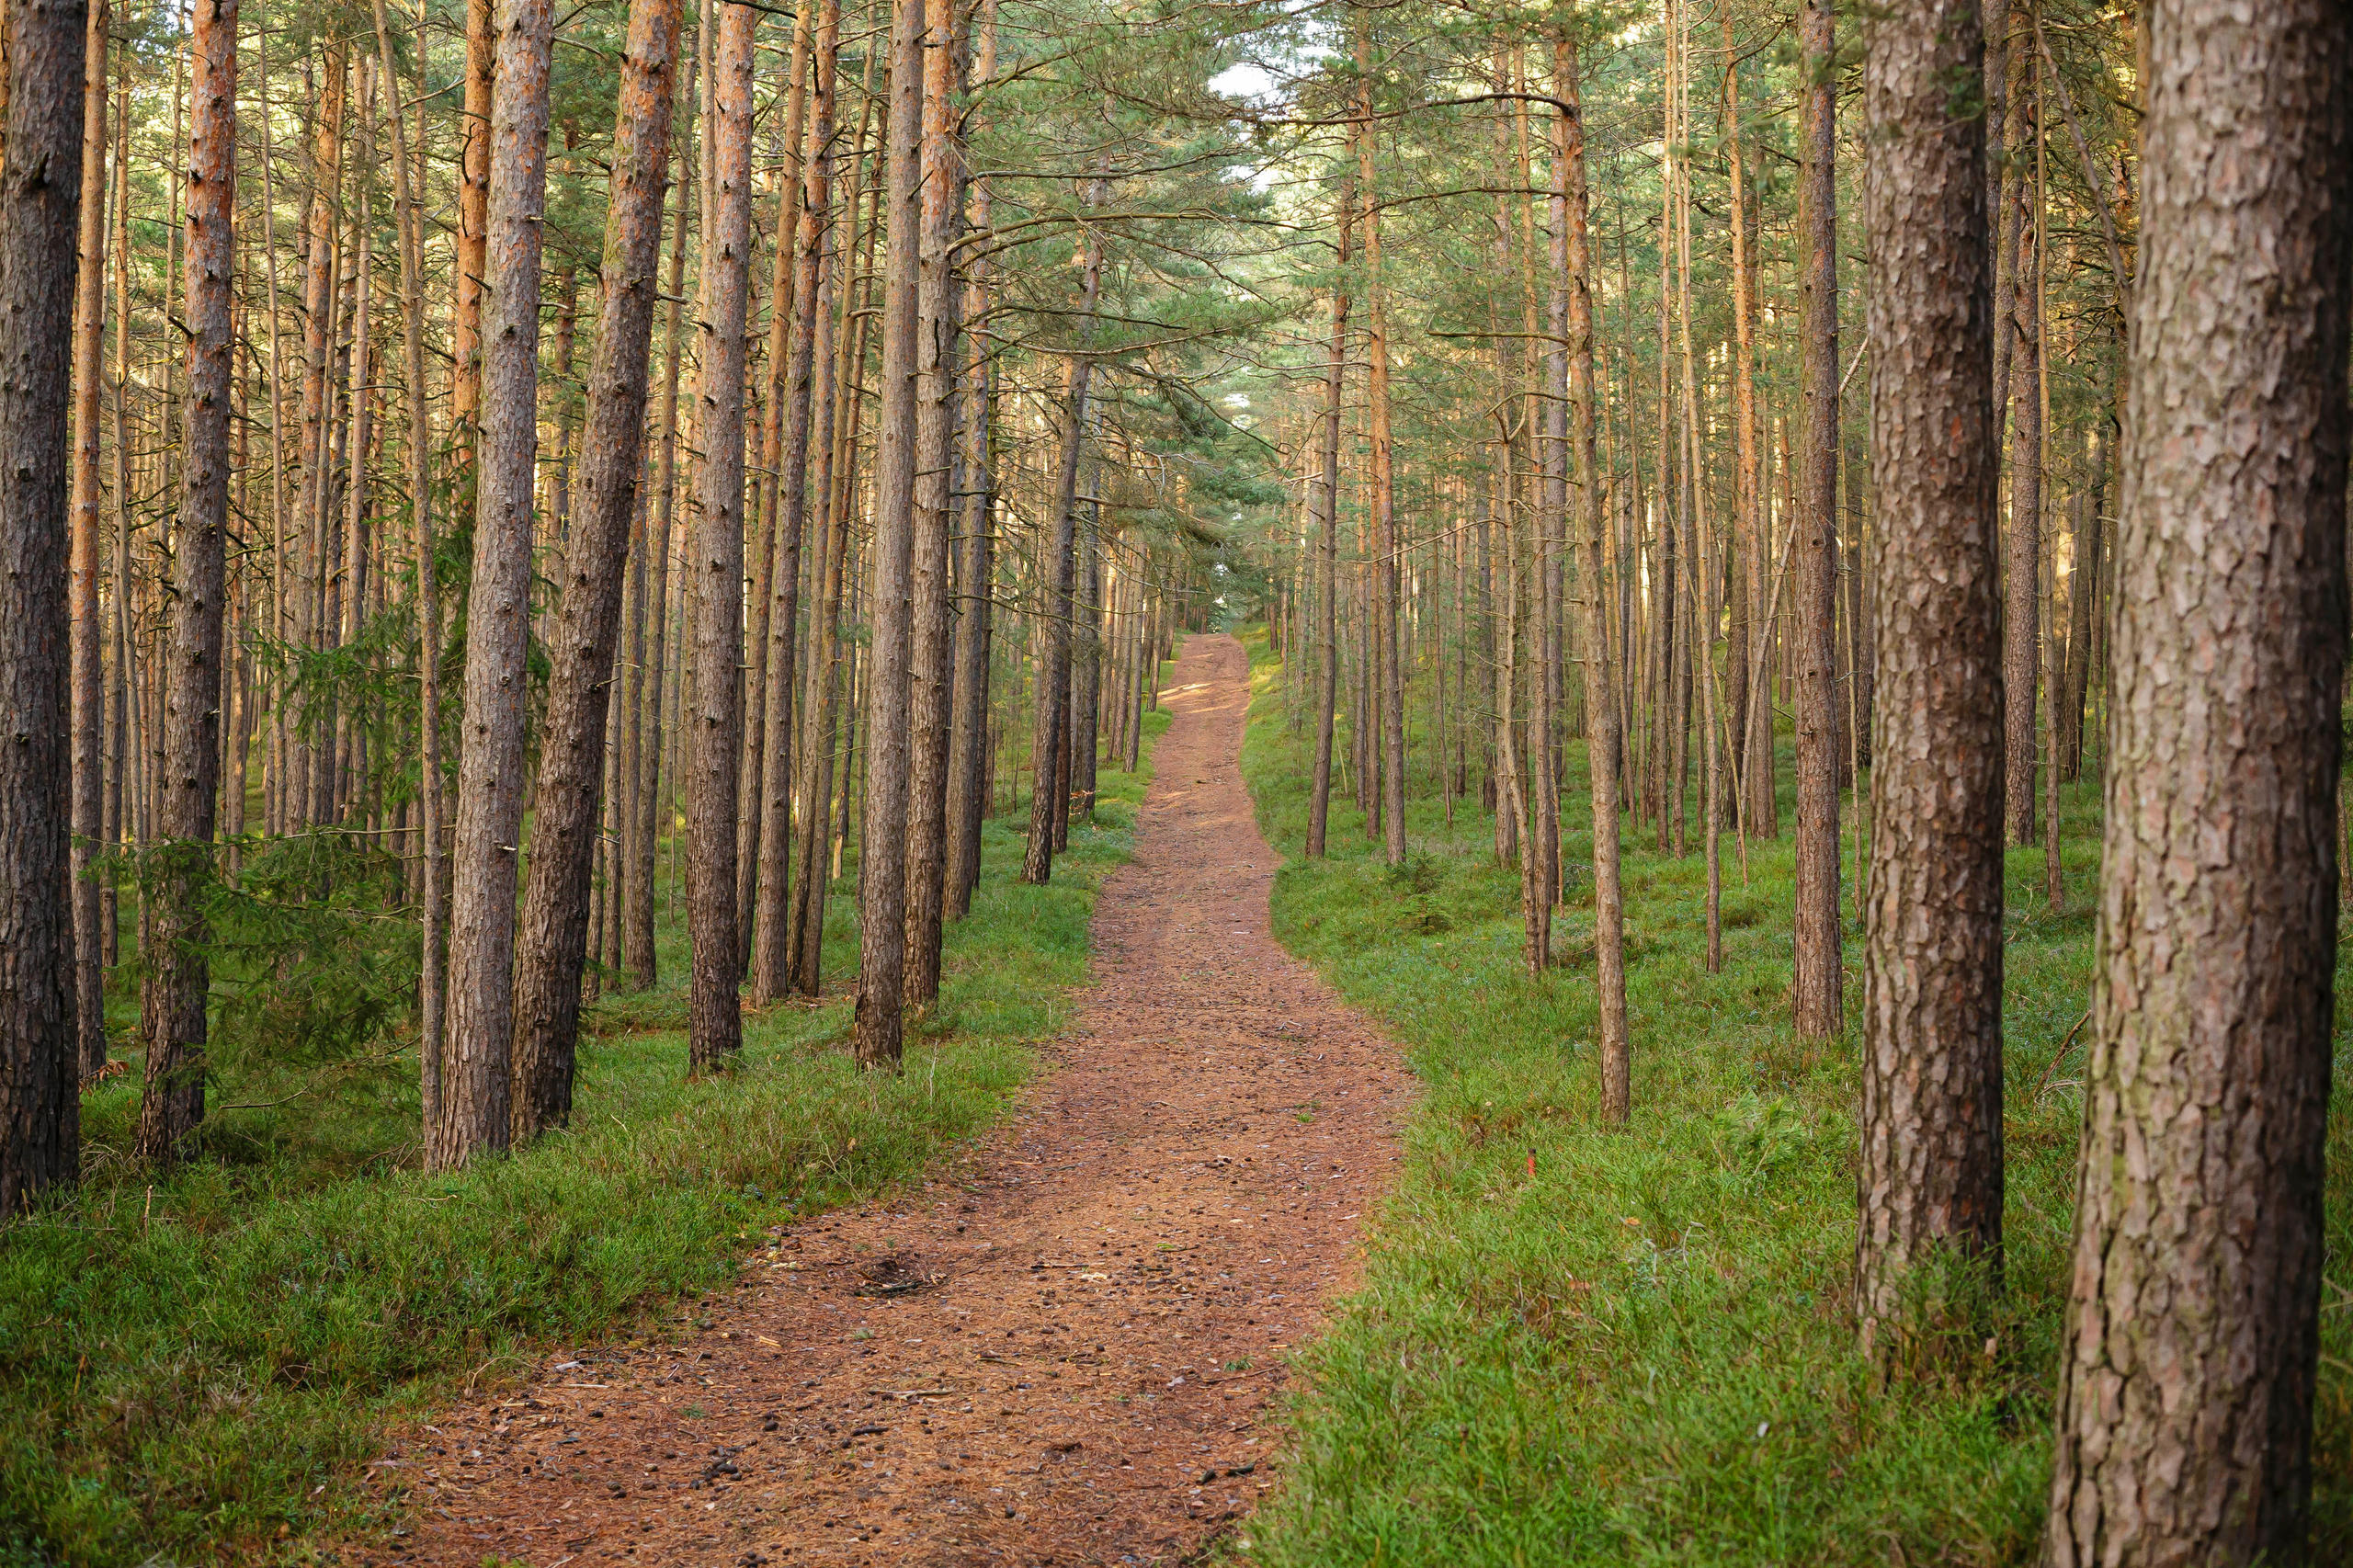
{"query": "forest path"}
[(1062, 1352)]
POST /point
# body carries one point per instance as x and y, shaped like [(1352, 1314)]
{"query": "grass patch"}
[(196, 1364), (1576, 1346)]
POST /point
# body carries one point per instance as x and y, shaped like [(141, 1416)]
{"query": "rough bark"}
[(1818, 988), (88, 679), (470, 258), (1752, 741), (476, 1114), (1930, 1175), (171, 1103), (877, 1027), (586, 623), (715, 1027), (41, 191), (2187, 1379), (931, 635)]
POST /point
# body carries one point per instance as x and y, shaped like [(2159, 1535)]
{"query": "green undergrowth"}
[(195, 1366), (1578, 1345)]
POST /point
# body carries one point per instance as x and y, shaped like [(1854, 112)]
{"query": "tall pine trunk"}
[(1817, 984), (2185, 1423), (475, 1107), (876, 1030), (1327, 527), (715, 1029), (1929, 1182), (1602, 738), (172, 1102), (40, 192), (88, 679), (554, 939)]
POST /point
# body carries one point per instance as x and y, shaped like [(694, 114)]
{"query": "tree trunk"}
[(88, 679), (637, 923), (40, 214), (1601, 711), (716, 1021), (306, 770), (1327, 554), (474, 1102), (1752, 740), (431, 979), (1818, 984), (1388, 672), (771, 924), (976, 566), (171, 1104), (2185, 1419), (586, 623), (1054, 672), (471, 259), (883, 875), (2022, 558), (1930, 1176), (931, 639)]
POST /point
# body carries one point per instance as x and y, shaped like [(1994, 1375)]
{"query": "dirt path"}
[(1063, 1354)]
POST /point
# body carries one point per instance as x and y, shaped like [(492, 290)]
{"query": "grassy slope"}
[(202, 1365), (1573, 1345)]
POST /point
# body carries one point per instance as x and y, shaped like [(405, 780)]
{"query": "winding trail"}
[(1063, 1351)]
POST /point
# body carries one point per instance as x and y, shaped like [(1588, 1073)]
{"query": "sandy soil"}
[(1064, 1351)]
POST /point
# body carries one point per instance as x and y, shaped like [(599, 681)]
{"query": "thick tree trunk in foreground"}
[(88, 673), (1930, 1177), (171, 1104), (41, 191), (882, 869), (1818, 984), (715, 716), (2186, 1407), (588, 618), (474, 1103)]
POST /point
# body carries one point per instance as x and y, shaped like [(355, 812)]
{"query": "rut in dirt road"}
[(1063, 1353)]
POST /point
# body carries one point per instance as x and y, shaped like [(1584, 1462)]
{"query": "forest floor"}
[(1065, 1349)]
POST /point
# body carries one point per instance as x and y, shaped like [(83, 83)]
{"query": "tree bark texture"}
[(877, 1026), (586, 623), (931, 633), (715, 1027), (171, 1101), (476, 1114), (2187, 1379), (40, 192), (1930, 1175), (1818, 988)]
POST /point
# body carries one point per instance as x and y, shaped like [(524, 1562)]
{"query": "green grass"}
[(1576, 1346), (200, 1367)]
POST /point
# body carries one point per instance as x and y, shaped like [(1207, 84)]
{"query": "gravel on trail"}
[(1067, 1347)]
